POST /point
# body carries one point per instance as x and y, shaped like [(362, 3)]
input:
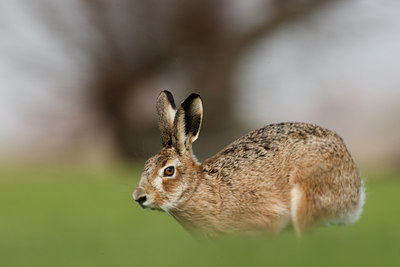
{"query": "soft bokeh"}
[(79, 80)]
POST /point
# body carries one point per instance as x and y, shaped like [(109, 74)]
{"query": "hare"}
[(283, 173)]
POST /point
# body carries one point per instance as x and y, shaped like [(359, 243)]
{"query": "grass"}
[(82, 216)]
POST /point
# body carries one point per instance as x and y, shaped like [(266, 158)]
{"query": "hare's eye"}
[(169, 171)]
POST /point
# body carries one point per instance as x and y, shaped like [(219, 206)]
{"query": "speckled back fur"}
[(283, 173)]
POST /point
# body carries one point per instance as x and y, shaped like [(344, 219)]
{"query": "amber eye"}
[(169, 171)]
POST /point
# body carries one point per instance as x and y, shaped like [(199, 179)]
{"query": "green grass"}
[(81, 216)]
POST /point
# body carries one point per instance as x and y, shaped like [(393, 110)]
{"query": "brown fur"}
[(282, 172)]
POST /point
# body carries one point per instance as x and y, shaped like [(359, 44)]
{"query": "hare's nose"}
[(141, 200), (139, 196)]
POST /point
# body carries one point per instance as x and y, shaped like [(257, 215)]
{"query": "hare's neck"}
[(203, 208)]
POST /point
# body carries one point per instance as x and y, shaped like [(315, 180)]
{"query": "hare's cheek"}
[(158, 199), (170, 185)]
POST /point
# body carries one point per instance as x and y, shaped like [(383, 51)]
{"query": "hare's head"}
[(169, 177)]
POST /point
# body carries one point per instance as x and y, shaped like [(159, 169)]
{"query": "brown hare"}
[(283, 173)]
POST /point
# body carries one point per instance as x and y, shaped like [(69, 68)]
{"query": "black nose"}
[(141, 200)]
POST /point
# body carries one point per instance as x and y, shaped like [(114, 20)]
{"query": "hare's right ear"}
[(166, 114), (187, 124)]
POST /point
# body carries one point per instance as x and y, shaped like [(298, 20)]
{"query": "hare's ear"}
[(187, 123), (166, 113)]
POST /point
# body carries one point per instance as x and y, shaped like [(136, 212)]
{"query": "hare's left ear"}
[(187, 123), (166, 113)]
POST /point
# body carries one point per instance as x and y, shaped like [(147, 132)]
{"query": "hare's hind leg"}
[(308, 199), (325, 197), (305, 214)]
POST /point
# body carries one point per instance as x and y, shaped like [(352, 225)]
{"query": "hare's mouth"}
[(145, 200), (145, 203), (153, 207)]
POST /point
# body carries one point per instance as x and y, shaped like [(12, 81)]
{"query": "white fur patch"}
[(295, 196), (355, 215), (171, 113), (157, 184), (198, 109), (177, 162)]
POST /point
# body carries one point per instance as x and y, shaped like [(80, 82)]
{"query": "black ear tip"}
[(166, 92), (194, 95), (190, 99), (169, 97)]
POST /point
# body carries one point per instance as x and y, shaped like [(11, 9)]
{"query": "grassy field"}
[(81, 216)]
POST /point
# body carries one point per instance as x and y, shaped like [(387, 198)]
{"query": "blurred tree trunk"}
[(191, 33)]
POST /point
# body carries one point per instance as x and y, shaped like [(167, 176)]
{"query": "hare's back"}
[(286, 139), (276, 148)]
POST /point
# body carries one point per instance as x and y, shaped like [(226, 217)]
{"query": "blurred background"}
[(79, 80)]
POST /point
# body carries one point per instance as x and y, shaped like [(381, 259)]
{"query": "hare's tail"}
[(356, 214)]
